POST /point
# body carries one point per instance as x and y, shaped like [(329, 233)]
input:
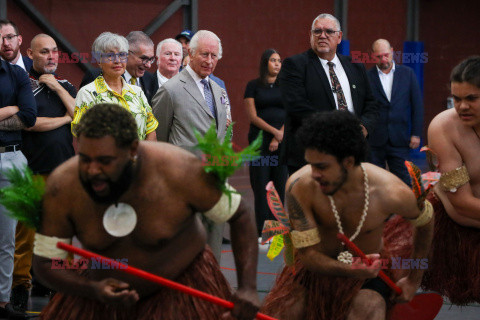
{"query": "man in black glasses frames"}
[(11, 41), (320, 79)]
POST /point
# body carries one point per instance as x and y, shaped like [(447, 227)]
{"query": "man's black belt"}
[(11, 148)]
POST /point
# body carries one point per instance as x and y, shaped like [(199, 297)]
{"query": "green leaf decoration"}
[(23, 197), (289, 251), (282, 226), (219, 157)]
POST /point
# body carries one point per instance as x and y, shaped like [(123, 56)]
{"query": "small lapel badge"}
[(354, 86)]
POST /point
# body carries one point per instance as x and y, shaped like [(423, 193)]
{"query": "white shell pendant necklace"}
[(119, 219), (345, 256)]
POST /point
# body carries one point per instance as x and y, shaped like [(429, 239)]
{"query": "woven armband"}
[(46, 247), (452, 180), (302, 239), (425, 216), (223, 209)]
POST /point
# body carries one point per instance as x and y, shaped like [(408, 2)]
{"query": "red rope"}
[(154, 278)]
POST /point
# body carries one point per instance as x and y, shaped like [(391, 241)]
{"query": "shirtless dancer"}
[(453, 135), (163, 186), (335, 179)]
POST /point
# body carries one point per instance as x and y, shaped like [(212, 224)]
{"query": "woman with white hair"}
[(111, 52)]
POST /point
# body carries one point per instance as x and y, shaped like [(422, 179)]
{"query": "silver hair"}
[(205, 34), (108, 41), (136, 38), (168, 40), (327, 16)]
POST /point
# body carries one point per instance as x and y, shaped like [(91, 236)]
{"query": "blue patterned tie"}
[(209, 97)]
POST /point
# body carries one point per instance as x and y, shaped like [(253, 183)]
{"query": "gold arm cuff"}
[(425, 216), (452, 180), (223, 211), (45, 246), (302, 239)]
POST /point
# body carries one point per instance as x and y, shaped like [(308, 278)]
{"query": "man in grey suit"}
[(190, 100)]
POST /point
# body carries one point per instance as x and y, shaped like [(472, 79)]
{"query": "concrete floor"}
[(268, 270)]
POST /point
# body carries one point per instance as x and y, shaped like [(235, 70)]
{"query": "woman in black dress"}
[(263, 103)]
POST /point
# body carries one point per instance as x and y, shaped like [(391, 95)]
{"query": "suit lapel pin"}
[(354, 86)]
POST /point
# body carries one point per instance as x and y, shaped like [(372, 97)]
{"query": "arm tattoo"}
[(292, 184), (12, 124), (296, 213)]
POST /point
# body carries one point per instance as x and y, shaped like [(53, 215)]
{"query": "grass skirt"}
[(166, 304), (326, 297), (454, 261)]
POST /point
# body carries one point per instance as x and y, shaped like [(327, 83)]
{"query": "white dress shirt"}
[(387, 81), (342, 78), (197, 79), (21, 64), (161, 79)]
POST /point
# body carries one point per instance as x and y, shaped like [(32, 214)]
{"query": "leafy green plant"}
[(23, 197), (210, 145)]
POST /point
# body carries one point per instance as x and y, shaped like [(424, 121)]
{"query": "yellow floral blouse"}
[(132, 98)]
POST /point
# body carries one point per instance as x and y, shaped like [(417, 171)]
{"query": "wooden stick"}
[(154, 278), (362, 255)]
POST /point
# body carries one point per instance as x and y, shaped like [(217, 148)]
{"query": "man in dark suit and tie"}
[(140, 58), (322, 80), (10, 45), (401, 111)]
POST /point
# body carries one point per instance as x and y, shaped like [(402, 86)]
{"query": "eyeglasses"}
[(328, 32), (145, 59), (9, 37), (111, 56)]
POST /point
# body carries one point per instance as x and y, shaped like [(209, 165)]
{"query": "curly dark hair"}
[(467, 71), (337, 133), (108, 119)]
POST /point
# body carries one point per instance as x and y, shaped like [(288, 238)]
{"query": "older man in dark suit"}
[(401, 111), (322, 80)]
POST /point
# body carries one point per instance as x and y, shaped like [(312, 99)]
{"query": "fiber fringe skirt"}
[(454, 261), (329, 298), (167, 304)]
